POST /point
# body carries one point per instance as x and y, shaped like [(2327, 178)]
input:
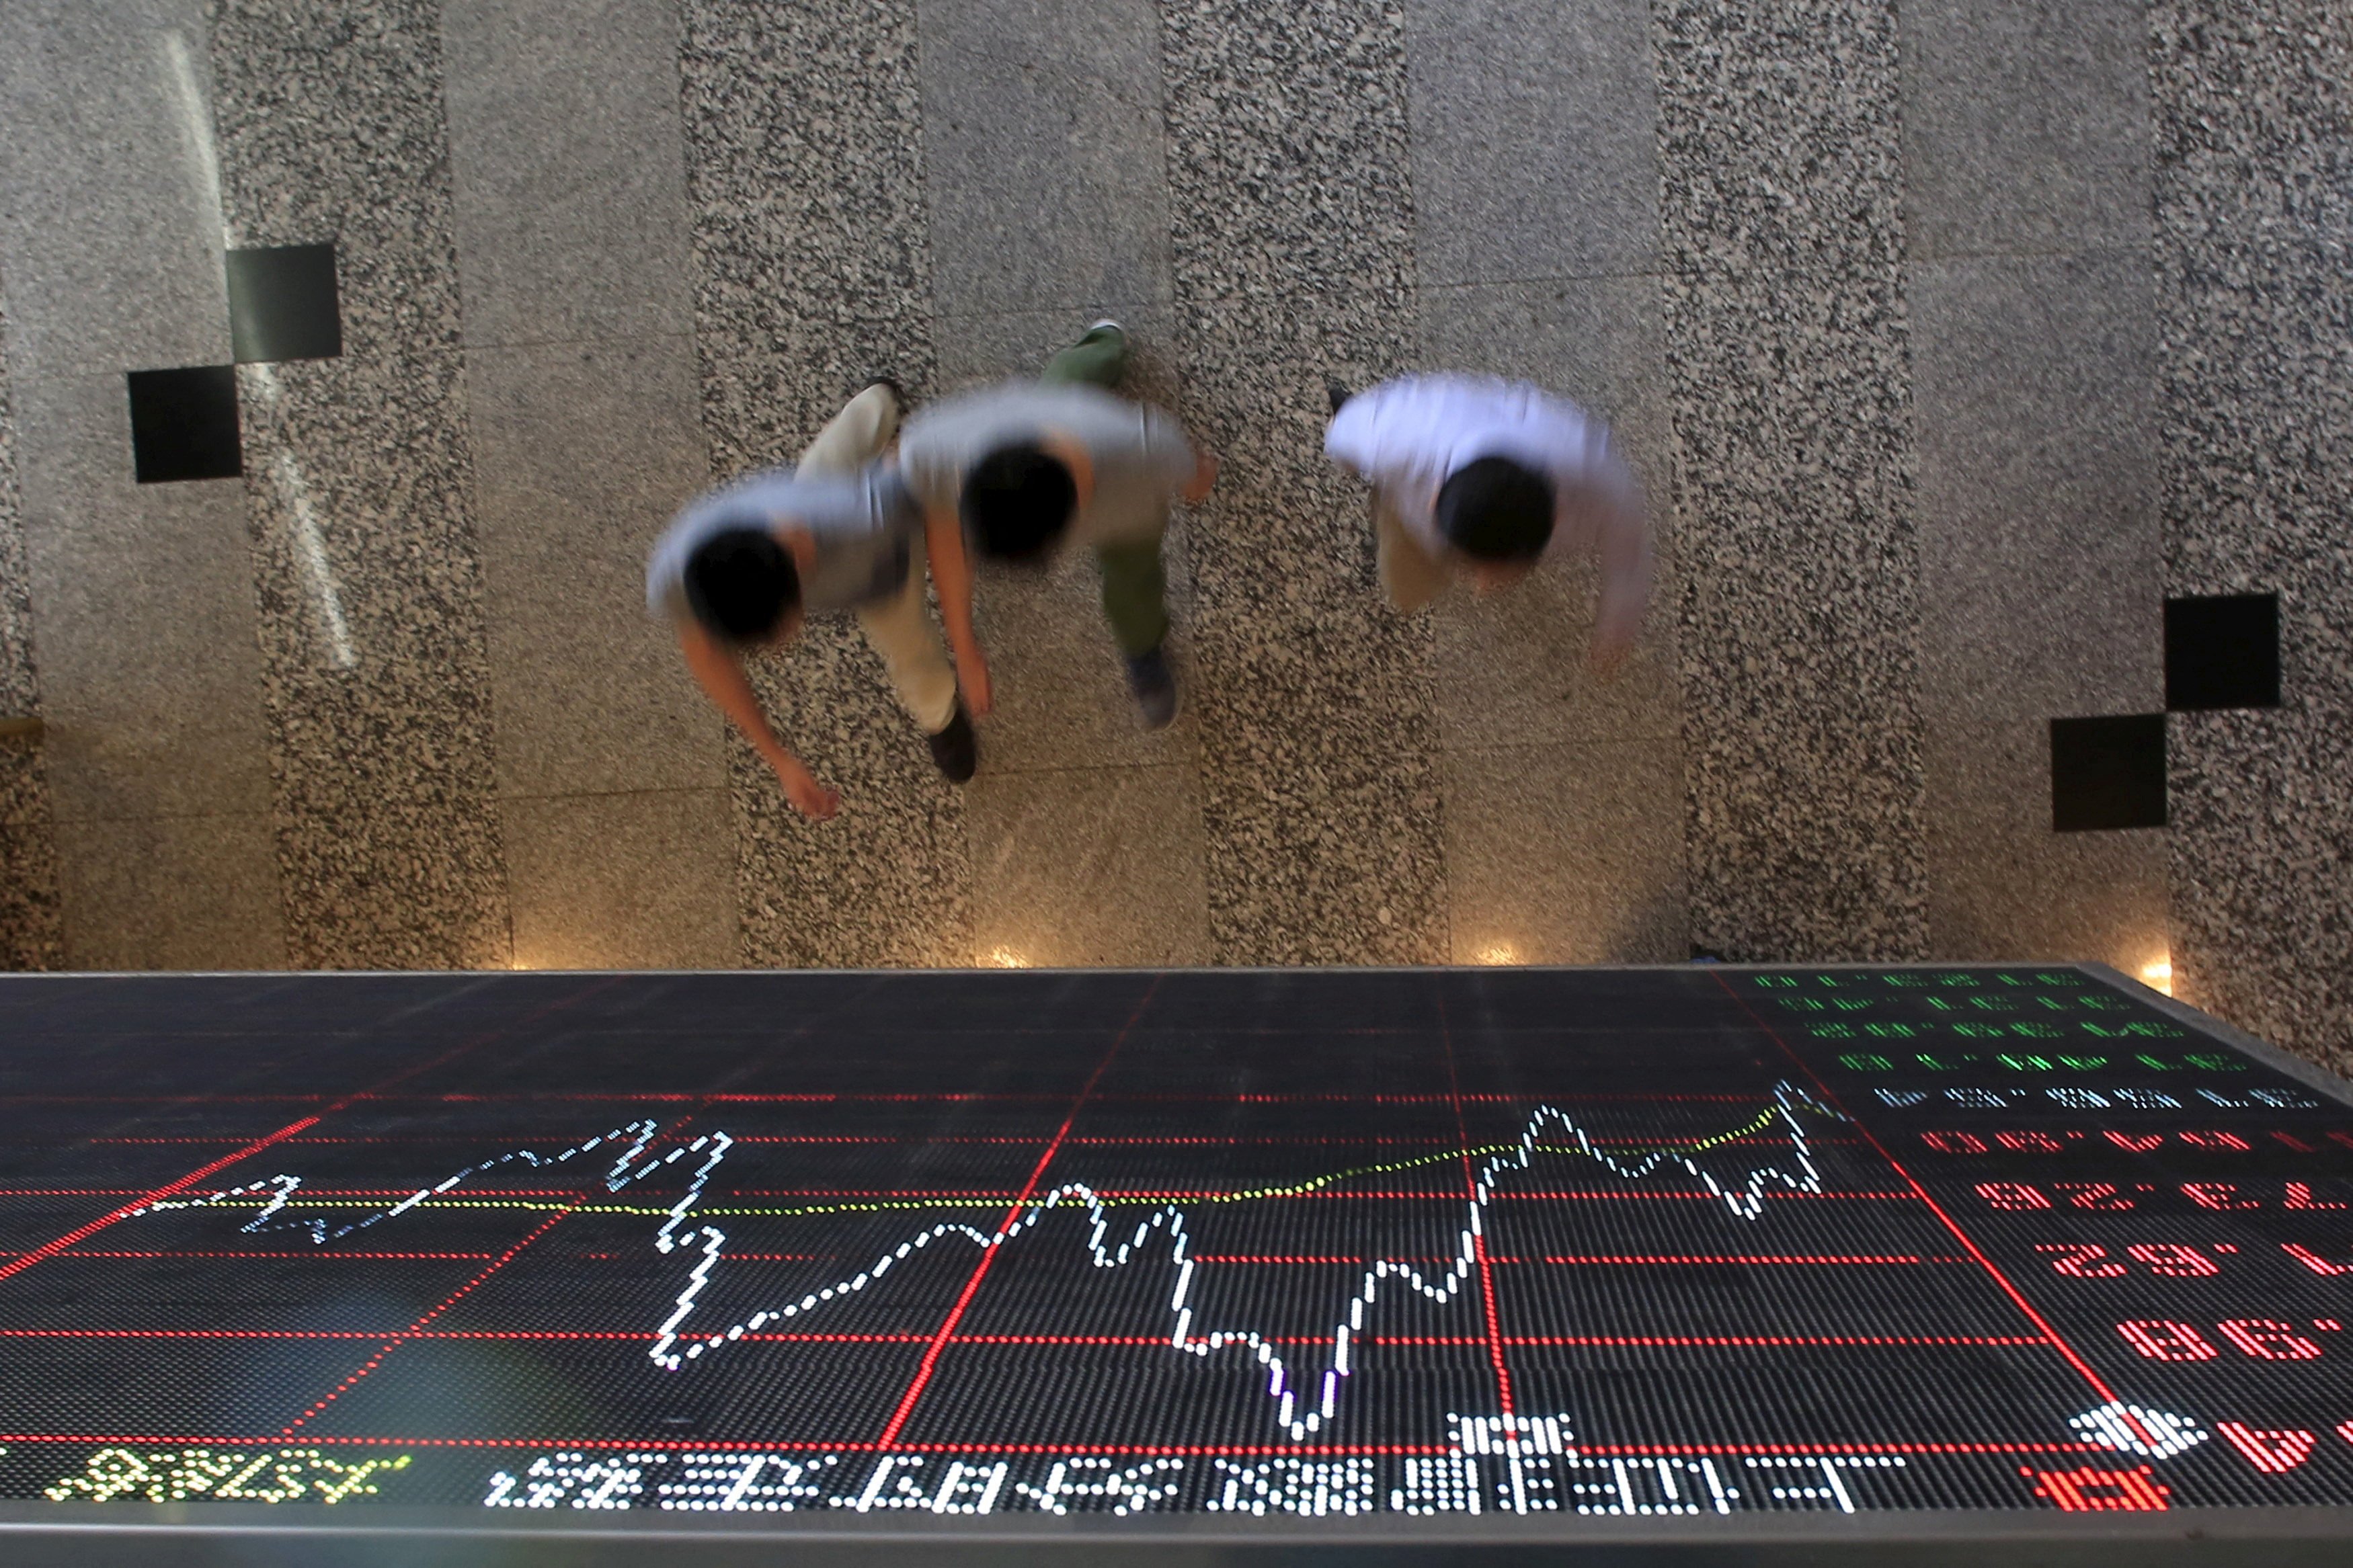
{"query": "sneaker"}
[(954, 748), (1094, 327), (1154, 688)]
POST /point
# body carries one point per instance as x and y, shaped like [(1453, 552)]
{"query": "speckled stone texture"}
[(31, 936), (1787, 364), (1290, 183), (804, 175), (358, 475), (2255, 271)]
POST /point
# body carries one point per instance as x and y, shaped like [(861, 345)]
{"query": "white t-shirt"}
[(864, 526), (1141, 457), (1409, 434)]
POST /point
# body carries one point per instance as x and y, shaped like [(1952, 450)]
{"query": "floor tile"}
[(283, 303), (1535, 138), (584, 451), (2221, 650), (2037, 488), (1778, 138), (1043, 153), (640, 881), (1088, 866), (805, 183), (2007, 885), (568, 169), (112, 251), (1290, 183), (171, 892), (184, 425), (167, 722), (30, 934), (2026, 125), (1566, 854), (1800, 649), (330, 127)]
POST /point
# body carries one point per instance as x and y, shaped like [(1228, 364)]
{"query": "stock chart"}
[(1310, 1245)]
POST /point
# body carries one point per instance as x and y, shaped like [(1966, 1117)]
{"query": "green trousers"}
[(1135, 587)]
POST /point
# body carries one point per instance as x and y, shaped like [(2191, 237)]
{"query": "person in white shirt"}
[(741, 567), (1475, 476)]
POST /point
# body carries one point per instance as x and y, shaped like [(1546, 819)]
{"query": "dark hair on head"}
[(1496, 509), (741, 584), (1017, 501)]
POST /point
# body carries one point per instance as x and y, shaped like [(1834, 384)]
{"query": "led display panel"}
[(1414, 1245)]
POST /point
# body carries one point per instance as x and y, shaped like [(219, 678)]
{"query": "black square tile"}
[(2107, 773), (184, 423), (2222, 650), (283, 303)]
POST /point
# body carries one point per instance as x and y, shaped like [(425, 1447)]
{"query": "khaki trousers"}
[(898, 628), (1411, 574)]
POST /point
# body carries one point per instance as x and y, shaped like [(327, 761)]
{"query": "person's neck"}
[(1074, 456)]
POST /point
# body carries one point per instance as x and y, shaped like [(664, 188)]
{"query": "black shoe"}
[(1336, 393), (954, 748), (1154, 688)]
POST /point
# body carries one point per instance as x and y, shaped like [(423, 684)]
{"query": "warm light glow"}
[(1501, 953), (1006, 958), (2157, 974)]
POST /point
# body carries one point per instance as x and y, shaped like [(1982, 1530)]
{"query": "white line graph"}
[(1296, 1412)]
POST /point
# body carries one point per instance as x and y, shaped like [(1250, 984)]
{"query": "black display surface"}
[(1419, 1245)]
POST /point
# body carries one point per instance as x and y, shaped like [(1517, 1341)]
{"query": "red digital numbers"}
[(2265, 1339), (2090, 1490), (2169, 1258), (2081, 1260), (2011, 1196), (2078, 1194), (2219, 1195)]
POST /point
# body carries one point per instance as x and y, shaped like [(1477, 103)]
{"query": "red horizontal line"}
[(1627, 1258), (1108, 1340), (316, 1252), (657, 1097), (975, 1195), (727, 1445)]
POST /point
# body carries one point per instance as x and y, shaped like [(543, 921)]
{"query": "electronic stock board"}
[(1427, 1257)]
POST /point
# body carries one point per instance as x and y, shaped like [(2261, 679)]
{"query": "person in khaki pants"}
[(741, 568)]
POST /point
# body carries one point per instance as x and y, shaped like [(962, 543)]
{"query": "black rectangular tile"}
[(184, 423), (2107, 772), (2221, 650), (283, 303)]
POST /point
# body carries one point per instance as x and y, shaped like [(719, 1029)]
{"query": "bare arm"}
[(951, 575), (1205, 477), (1625, 549), (723, 679)]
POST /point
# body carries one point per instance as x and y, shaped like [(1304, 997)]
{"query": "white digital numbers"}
[(1499, 1466)]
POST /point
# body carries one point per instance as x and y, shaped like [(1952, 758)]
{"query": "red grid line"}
[(2099, 1384), (40, 1254), (394, 1343), (1478, 1233), (988, 1254), (636, 1336), (27, 1259), (1131, 1194), (1629, 1259)]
